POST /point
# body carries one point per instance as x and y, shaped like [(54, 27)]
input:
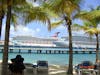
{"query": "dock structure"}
[(45, 50)]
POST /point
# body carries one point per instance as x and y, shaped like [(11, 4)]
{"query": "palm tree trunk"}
[(6, 43), (70, 67), (97, 47), (0, 26)]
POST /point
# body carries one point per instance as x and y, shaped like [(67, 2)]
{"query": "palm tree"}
[(5, 51), (96, 32), (65, 9), (6, 43), (89, 29), (36, 14), (93, 19)]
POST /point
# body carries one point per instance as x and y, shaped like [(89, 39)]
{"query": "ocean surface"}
[(58, 59)]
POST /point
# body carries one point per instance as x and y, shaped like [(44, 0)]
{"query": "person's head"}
[(18, 56)]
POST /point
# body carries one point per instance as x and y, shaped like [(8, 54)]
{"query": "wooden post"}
[(76, 52), (19, 50), (29, 51), (50, 51), (46, 51), (58, 52), (11, 50), (90, 52)]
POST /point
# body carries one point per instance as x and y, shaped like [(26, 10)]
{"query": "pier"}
[(46, 50)]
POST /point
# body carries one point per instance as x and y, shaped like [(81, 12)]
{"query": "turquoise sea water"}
[(59, 59)]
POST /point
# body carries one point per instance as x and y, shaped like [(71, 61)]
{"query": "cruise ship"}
[(34, 41), (78, 42)]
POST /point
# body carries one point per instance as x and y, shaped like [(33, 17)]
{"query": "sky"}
[(38, 29)]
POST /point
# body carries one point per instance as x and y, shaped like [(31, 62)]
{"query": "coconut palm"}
[(96, 32), (89, 29), (5, 51), (93, 19), (28, 10), (65, 9), (8, 6)]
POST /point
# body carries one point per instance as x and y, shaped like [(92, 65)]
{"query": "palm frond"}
[(14, 18), (88, 15), (36, 14), (98, 7), (63, 6), (76, 27), (56, 24), (19, 2), (51, 13), (92, 31)]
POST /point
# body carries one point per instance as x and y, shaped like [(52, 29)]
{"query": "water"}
[(59, 59)]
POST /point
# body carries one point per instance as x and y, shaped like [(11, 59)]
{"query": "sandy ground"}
[(52, 70)]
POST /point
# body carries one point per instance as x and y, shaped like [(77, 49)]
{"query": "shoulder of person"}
[(13, 59), (22, 58)]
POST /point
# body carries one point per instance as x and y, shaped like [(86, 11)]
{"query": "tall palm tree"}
[(8, 5), (65, 9), (5, 51), (89, 29), (96, 32), (93, 19)]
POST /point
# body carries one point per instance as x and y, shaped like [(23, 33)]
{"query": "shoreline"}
[(59, 59)]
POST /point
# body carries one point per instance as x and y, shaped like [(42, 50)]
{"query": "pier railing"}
[(46, 50)]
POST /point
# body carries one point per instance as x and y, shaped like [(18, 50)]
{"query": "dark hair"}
[(18, 56)]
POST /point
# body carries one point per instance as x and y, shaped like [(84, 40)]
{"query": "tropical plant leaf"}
[(93, 31), (88, 15), (64, 6), (14, 18), (56, 24), (76, 27)]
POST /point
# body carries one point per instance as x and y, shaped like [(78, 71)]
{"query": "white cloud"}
[(37, 30), (23, 30), (35, 4), (20, 30)]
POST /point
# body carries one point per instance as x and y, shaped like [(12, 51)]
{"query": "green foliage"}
[(91, 15), (19, 2), (93, 31), (91, 20), (35, 13), (56, 24), (14, 18), (76, 27), (63, 6)]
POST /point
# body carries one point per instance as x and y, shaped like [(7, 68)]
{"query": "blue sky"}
[(38, 29)]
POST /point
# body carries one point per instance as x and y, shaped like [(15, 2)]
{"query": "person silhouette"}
[(17, 65)]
